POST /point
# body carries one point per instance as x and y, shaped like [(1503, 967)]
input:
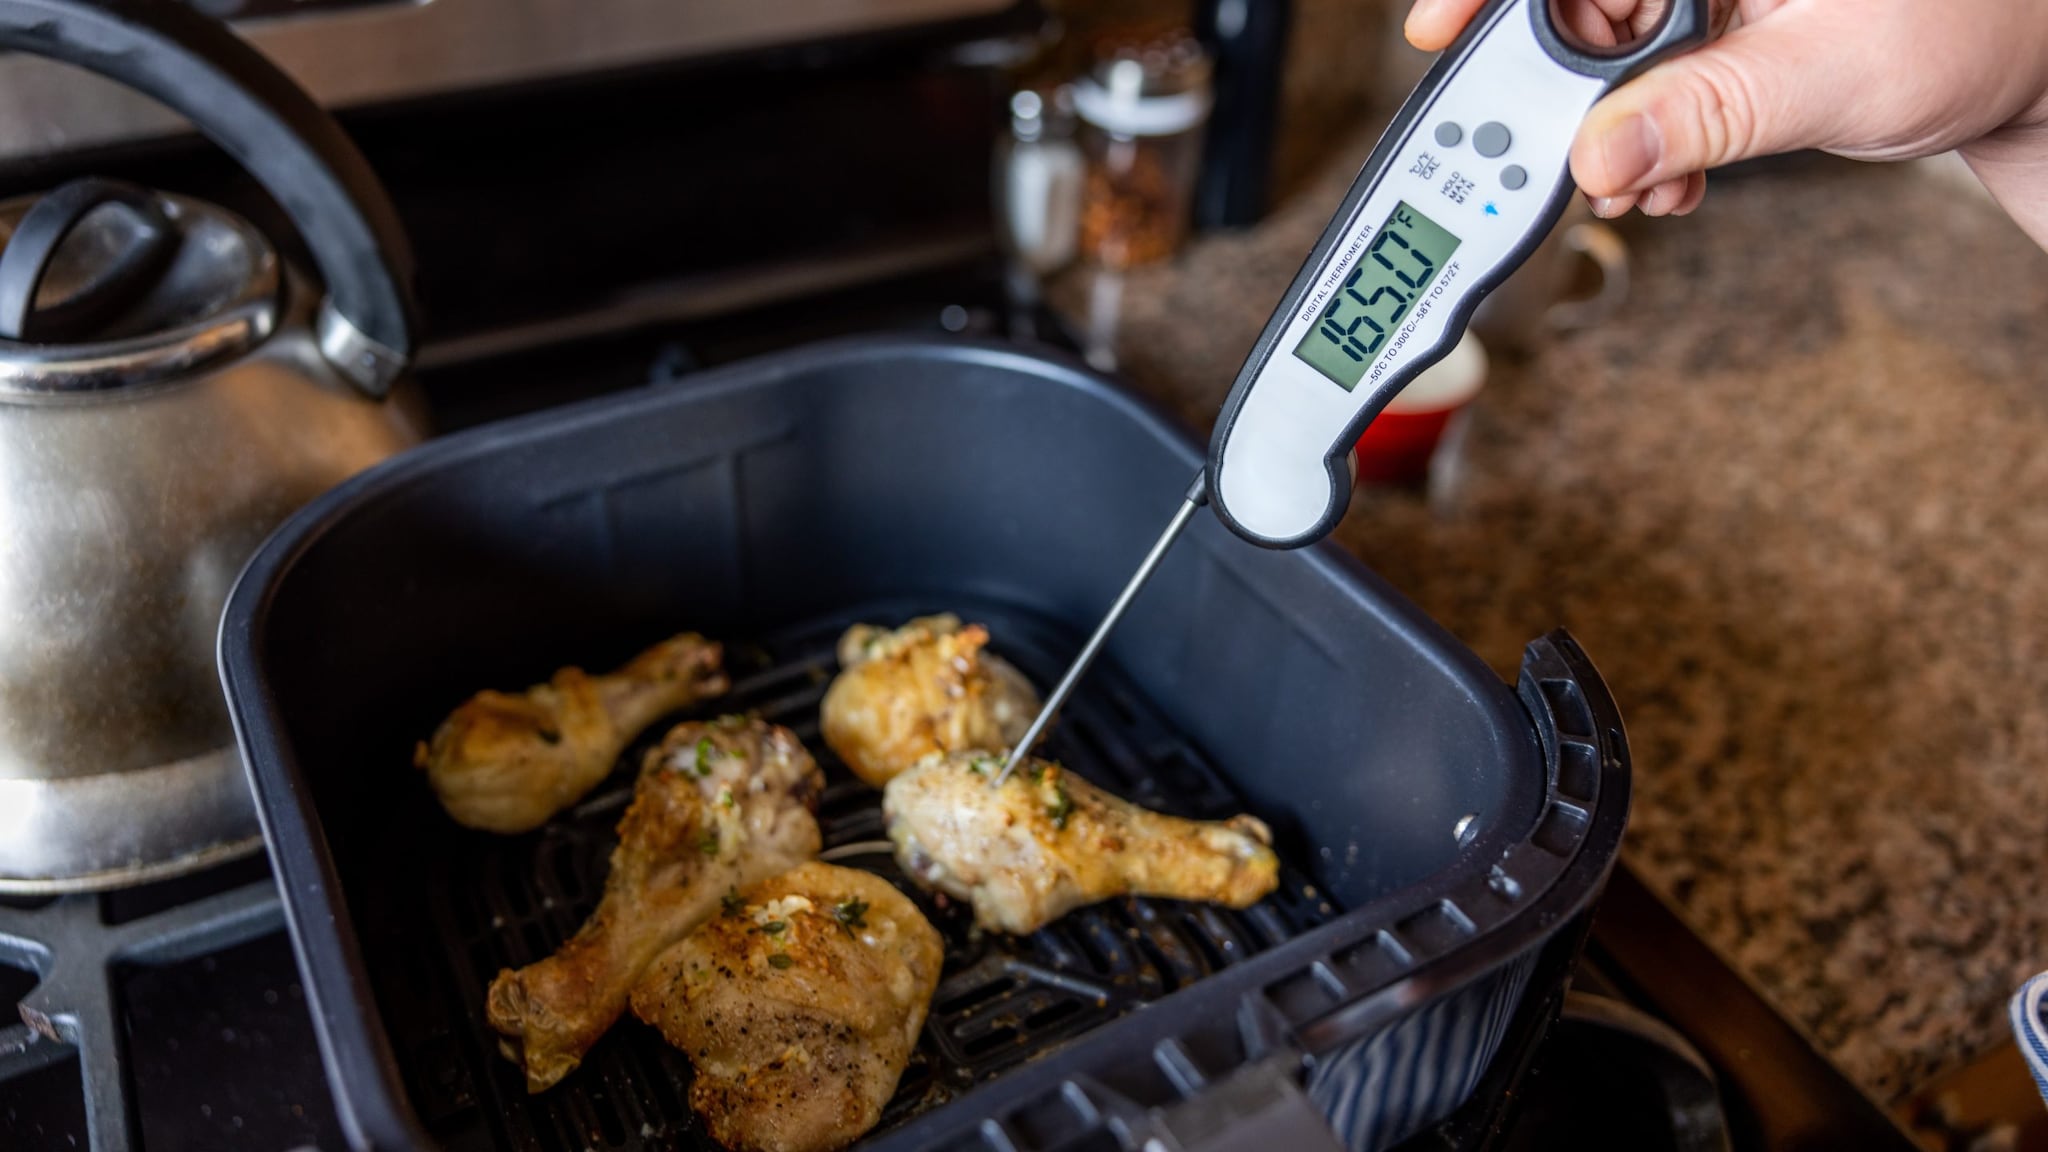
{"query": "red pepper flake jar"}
[(1142, 109)]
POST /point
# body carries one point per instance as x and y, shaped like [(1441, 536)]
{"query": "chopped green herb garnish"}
[(851, 914), (732, 904), (775, 927), (550, 736), (708, 842), (704, 756), (1062, 806), (780, 960)]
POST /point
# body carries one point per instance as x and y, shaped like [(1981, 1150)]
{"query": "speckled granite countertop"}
[(1794, 502)]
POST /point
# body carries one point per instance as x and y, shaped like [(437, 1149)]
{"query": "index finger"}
[(1433, 24)]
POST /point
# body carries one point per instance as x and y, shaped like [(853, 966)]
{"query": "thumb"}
[(1744, 95)]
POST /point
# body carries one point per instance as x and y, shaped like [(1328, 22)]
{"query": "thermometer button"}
[(1513, 177), (1449, 133), (1492, 139)]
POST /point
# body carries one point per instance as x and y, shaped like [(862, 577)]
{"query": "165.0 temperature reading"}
[(1403, 260)]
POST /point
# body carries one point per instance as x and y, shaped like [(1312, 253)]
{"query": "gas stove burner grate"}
[(73, 946), (1001, 1001)]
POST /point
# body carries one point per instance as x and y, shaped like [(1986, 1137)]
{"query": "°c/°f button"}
[(1448, 134)]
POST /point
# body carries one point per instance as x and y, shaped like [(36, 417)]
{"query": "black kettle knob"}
[(126, 270), (242, 102)]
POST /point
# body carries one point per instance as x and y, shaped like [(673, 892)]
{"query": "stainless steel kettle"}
[(170, 389)]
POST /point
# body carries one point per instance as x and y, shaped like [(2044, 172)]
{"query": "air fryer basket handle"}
[(1287, 1120), (243, 103), (1258, 1108)]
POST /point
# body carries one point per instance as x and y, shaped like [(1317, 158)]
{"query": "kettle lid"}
[(105, 285)]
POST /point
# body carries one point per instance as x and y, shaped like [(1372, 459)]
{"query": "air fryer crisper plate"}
[(1440, 829), (499, 902)]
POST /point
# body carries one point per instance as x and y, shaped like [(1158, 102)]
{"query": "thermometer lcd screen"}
[(1399, 266)]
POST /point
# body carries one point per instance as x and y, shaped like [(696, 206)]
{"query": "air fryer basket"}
[(1440, 828)]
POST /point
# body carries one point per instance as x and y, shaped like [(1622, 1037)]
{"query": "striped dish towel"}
[(2030, 1028)]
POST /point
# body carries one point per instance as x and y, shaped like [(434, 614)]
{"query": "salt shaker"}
[(1038, 182), (1142, 110)]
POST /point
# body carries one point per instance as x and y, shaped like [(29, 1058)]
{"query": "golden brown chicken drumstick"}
[(506, 763), (925, 687), (1046, 842), (719, 807), (800, 1006)]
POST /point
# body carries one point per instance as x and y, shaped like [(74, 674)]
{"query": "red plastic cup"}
[(1398, 445)]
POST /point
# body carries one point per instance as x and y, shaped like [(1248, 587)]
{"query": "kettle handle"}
[(241, 101)]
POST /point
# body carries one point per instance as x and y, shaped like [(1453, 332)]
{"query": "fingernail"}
[(1632, 149), (1603, 207)]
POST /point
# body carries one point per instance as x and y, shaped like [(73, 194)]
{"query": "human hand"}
[(1869, 79)]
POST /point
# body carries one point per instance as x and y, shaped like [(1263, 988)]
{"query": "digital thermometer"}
[(1471, 176)]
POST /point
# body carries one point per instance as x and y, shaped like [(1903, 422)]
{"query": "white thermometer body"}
[(1470, 178)]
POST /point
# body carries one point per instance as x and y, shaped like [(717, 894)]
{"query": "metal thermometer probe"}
[(1469, 178)]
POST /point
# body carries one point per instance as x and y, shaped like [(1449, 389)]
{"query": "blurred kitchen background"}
[(1778, 465)]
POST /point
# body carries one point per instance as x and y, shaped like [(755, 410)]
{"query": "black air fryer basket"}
[(1443, 833)]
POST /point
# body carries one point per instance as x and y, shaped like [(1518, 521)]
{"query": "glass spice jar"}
[(1142, 109)]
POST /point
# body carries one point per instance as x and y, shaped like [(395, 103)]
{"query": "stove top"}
[(162, 1017)]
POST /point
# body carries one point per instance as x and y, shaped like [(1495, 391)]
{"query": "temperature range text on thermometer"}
[(1356, 320)]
